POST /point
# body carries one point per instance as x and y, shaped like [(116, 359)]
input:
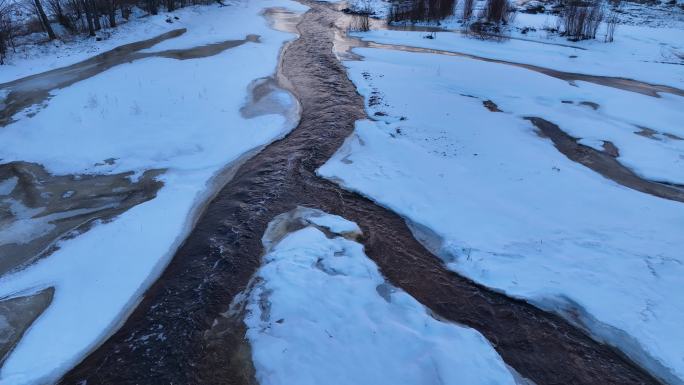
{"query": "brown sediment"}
[(608, 81), (610, 149), (491, 106), (35, 89), (199, 52), (17, 314), (653, 134), (214, 265), (61, 206), (604, 163), (647, 133), (672, 136), (344, 45), (592, 105)]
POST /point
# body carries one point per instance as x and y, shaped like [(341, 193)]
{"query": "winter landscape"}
[(342, 192)]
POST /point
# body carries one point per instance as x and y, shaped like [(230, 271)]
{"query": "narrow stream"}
[(182, 331)]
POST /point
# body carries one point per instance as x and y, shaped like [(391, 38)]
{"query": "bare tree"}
[(56, 8), (89, 17), (44, 19)]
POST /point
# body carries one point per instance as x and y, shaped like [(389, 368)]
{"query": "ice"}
[(321, 313), (156, 113)]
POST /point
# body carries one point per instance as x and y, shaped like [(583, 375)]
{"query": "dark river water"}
[(182, 331)]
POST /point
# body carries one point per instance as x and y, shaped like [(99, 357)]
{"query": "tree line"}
[(73, 16)]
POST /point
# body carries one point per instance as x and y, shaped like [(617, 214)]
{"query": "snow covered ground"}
[(155, 113), (321, 313), (514, 213), (643, 53)]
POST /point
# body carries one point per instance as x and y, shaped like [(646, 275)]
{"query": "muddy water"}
[(55, 207), (604, 162), (35, 89), (198, 337)]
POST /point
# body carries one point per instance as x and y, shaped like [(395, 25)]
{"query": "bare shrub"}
[(498, 11), (486, 31), (580, 19), (612, 19)]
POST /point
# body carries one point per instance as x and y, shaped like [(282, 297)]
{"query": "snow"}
[(515, 214), (156, 113), (638, 52), (321, 313), (35, 58)]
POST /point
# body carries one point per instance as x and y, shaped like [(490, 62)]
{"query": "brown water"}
[(604, 162), (192, 312), (35, 89)]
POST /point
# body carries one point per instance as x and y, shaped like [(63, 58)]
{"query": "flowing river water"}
[(187, 329)]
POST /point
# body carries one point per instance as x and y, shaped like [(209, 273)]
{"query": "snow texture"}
[(321, 313), (156, 113), (643, 53), (511, 211)]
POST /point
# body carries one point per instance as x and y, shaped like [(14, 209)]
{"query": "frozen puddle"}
[(321, 312), (37, 208)]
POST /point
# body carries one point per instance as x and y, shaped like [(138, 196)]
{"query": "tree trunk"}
[(96, 15), (112, 13), (44, 20), (89, 17)]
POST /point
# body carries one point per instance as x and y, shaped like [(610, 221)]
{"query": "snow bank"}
[(156, 113), (641, 53), (514, 213), (321, 313)]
